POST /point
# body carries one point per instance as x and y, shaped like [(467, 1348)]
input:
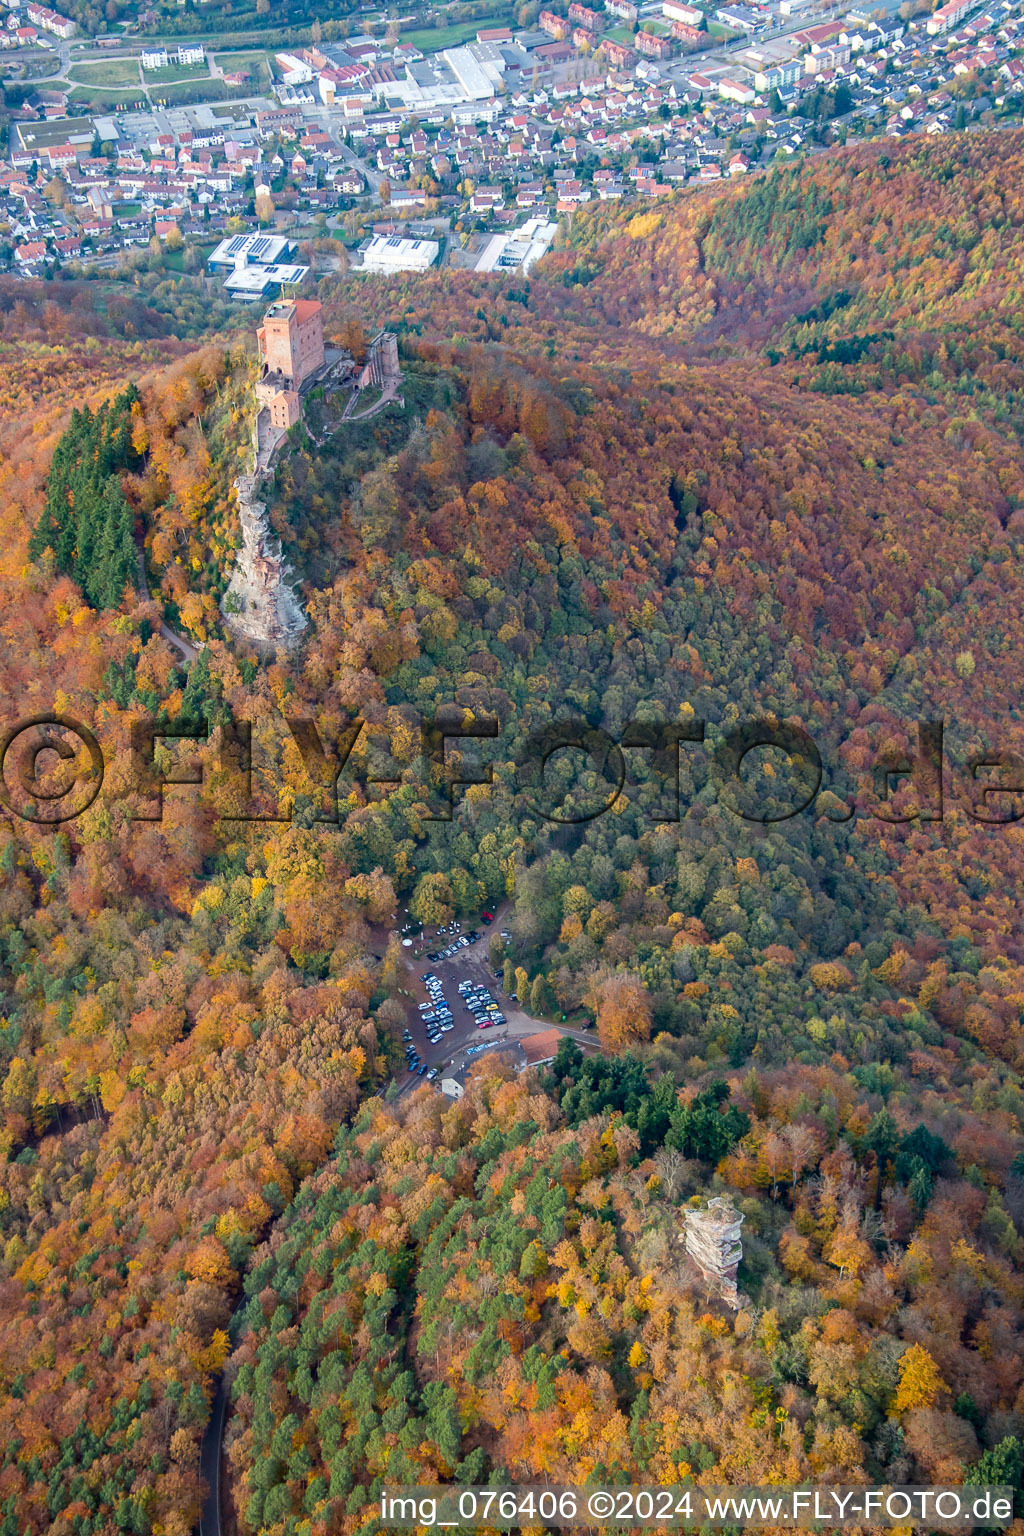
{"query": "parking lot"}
[(468, 964)]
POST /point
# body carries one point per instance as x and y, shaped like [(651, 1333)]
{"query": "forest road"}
[(208, 1523), (188, 650), (209, 1461)]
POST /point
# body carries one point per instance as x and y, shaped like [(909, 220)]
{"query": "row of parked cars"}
[(479, 1002), (463, 941), (436, 1015), (413, 1062)]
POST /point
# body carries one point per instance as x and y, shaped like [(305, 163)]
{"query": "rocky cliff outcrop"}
[(259, 605)]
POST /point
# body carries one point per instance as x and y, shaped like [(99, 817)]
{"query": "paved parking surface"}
[(468, 964)]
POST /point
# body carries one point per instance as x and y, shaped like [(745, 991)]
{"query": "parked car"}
[(487, 917)]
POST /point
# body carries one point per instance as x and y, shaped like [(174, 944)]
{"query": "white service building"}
[(392, 253), (519, 248), (293, 71), (475, 79), (250, 250), (250, 282)]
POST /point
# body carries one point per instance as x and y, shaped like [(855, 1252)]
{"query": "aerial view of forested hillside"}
[(720, 511)]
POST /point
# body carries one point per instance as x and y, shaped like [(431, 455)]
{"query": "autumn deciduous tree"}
[(623, 1010), (375, 892), (847, 1251), (920, 1385), (433, 902)]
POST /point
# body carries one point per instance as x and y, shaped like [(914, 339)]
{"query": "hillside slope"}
[(755, 453)]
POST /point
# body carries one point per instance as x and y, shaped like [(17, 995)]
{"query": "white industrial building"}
[(251, 282), (250, 250), (258, 265), (471, 71), (519, 248), (390, 253), (293, 71), (455, 78)]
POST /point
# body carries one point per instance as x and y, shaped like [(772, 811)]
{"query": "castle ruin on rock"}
[(260, 605)]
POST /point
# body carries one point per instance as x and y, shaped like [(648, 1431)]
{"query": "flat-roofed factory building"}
[(390, 253), (250, 251)]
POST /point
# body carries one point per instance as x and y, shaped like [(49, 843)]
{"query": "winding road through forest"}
[(209, 1459), (187, 648)]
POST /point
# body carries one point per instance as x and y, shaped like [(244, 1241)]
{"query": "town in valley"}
[(384, 144)]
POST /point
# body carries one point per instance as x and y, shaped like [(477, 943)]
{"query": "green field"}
[(620, 35), (724, 34), (108, 98), (106, 72), (433, 39), (255, 63), (188, 92), (175, 73)]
